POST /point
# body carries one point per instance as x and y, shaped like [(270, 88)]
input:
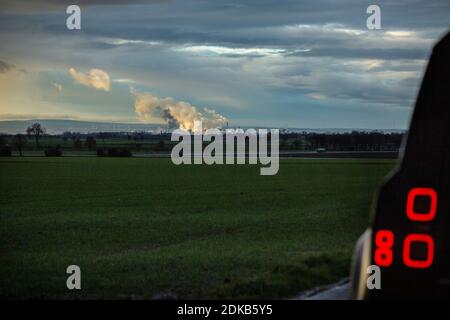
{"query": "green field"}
[(141, 228)]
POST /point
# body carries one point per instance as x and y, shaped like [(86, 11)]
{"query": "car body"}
[(408, 237)]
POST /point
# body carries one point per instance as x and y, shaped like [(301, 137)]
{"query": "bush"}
[(119, 152), (90, 143), (114, 152), (101, 153), (5, 151), (53, 152), (77, 144)]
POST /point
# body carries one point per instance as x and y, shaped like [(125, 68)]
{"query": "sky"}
[(298, 64)]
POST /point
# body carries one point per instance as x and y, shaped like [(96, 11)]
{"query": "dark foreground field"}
[(140, 228)]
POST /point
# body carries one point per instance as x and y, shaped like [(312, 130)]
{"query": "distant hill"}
[(59, 126)]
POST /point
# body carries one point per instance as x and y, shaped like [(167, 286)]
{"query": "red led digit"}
[(427, 216), (384, 240), (418, 238)]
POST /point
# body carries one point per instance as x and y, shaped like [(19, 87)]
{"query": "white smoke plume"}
[(175, 113), (95, 78)]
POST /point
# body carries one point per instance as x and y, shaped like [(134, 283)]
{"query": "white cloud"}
[(317, 96), (220, 50), (58, 87), (96, 78), (401, 34), (121, 42), (124, 80)]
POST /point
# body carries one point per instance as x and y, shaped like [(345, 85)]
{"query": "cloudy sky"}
[(309, 64)]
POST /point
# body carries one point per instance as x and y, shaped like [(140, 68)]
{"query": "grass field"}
[(139, 228)]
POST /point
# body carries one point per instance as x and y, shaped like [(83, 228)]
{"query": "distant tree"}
[(161, 145), (103, 136), (36, 130), (90, 142), (138, 146), (77, 143), (5, 149), (53, 151), (66, 135), (19, 141)]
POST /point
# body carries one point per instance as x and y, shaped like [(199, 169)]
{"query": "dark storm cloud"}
[(385, 54), (43, 5), (254, 51), (238, 23)]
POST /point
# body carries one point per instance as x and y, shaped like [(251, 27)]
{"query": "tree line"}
[(161, 142)]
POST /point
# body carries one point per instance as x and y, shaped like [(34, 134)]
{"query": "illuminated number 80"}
[(384, 239)]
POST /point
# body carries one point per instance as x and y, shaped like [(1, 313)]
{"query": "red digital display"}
[(418, 238), (384, 239), (424, 192)]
